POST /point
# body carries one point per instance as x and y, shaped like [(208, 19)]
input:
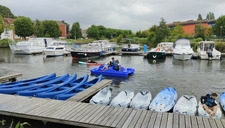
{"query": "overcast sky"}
[(120, 14)]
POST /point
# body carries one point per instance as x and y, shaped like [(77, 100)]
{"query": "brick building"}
[(189, 26), (9, 22)]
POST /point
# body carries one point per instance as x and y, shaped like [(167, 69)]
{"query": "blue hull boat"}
[(48, 86), (63, 88), (164, 100), (12, 89), (78, 88), (111, 72), (26, 81)]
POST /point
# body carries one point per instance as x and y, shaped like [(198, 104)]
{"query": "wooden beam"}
[(10, 77)]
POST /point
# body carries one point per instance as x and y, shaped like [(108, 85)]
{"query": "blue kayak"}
[(164, 100), (111, 72), (63, 88), (12, 89), (222, 101), (48, 86), (26, 81), (78, 88)]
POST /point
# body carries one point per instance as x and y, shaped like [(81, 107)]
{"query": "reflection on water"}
[(192, 77), (51, 59), (182, 63), (156, 61)]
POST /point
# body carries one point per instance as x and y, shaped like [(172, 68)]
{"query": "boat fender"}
[(157, 50)]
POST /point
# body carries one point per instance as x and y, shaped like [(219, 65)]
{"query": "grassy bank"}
[(4, 43)]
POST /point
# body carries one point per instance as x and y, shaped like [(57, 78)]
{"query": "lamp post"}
[(221, 27)]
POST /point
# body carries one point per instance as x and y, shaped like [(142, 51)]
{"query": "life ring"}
[(157, 50)]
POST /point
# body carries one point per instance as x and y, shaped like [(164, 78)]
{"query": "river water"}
[(193, 77)]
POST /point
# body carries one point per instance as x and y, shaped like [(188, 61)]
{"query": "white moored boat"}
[(59, 48), (206, 50), (167, 46), (32, 46), (182, 50)]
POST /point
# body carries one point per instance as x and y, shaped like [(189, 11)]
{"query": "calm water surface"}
[(193, 77)]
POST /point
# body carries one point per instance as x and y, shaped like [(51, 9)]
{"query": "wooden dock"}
[(11, 78), (76, 113), (88, 115), (90, 91)]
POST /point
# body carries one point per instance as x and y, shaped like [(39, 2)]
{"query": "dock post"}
[(145, 48)]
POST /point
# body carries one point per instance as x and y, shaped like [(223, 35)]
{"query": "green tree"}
[(75, 31), (145, 34), (209, 33), (210, 16), (6, 12), (119, 38), (176, 33), (51, 28), (163, 31), (108, 34), (219, 27), (38, 29), (102, 31), (93, 32), (200, 31), (138, 33), (199, 17), (67, 28), (24, 27), (2, 25)]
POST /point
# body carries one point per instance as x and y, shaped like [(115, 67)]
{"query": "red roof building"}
[(189, 26), (62, 26)]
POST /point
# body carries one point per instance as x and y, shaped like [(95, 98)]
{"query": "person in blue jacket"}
[(110, 64), (117, 66), (208, 103)]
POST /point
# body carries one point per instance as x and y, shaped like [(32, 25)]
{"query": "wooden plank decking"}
[(10, 77), (90, 91), (88, 115)]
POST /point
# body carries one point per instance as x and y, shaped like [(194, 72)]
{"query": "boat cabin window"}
[(59, 49), (50, 48)]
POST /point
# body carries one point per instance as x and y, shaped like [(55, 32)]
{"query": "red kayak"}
[(85, 63)]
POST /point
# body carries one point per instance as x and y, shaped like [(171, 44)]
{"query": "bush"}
[(5, 43), (220, 46)]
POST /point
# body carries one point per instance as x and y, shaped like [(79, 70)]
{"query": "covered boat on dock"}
[(111, 72)]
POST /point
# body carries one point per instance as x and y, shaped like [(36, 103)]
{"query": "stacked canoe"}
[(50, 86)]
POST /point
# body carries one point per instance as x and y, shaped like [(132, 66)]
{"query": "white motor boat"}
[(182, 50), (167, 46), (103, 45), (59, 48), (32, 46), (206, 50)]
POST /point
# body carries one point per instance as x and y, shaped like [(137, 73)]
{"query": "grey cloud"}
[(122, 14)]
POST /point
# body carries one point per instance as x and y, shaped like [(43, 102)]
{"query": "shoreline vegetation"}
[(219, 44)]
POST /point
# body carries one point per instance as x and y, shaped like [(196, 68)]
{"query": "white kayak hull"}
[(203, 113), (141, 100), (123, 99), (103, 97), (186, 105)]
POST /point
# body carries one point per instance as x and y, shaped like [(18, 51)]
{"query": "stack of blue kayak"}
[(28, 84), (50, 86), (111, 72)]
